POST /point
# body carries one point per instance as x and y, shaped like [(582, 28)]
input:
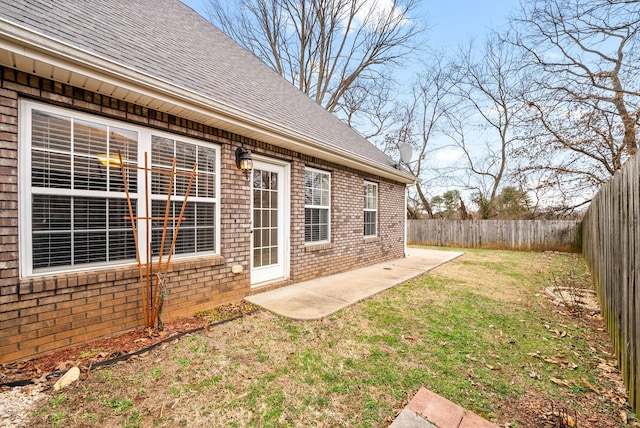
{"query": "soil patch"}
[(97, 351), (574, 299)]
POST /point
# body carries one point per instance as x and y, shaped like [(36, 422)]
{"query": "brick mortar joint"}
[(108, 274)]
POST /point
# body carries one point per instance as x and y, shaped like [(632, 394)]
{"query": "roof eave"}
[(29, 51)]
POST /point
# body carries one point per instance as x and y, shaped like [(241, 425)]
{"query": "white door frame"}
[(265, 275)]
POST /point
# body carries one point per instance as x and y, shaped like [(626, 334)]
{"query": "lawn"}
[(479, 331)]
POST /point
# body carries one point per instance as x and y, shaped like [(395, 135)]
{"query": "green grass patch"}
[(119, 405), (479, 331)]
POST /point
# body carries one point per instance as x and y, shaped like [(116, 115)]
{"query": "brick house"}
[(81, 80)]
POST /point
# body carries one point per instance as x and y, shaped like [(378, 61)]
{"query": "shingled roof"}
[(173, 46)]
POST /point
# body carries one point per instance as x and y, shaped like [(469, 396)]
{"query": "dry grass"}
[(474, 331)]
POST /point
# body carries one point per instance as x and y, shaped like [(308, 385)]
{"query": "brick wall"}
[(42, 314), (348, 248)]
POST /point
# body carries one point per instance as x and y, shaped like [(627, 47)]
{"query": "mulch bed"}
[(98, 351)]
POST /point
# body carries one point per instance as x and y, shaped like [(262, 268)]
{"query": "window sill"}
[(62, 280), (368, 239), (196, 262), (310, 247)]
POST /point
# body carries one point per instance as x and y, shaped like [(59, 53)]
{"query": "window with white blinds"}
[(74, 212), (370, 209), (197, 230), (317, 196)]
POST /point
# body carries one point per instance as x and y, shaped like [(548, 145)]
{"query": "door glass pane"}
[(257, 239), (257, 219), (257, 261), (265, 218)]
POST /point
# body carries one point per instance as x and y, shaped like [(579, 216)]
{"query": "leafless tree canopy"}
[(548, 109), (584, 97), (339, 52), (489, 88), (419, 119)]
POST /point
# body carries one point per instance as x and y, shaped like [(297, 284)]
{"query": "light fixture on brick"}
[(244, 161)]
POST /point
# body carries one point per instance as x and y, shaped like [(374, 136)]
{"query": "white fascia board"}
[(22, 41)]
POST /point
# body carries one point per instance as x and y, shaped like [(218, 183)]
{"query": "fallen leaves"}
[(559, 359), (559, 334), (226, 311), (561, 382), (64, 365), (623, 417), (608, 367), (560, 417), (615, 396), (489, 366)]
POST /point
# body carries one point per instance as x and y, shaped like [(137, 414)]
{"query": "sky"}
[(450, 21), (455, 21)]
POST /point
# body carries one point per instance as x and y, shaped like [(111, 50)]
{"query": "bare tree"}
[(490, 86), (584, 102), (339, 52), (418, 122)]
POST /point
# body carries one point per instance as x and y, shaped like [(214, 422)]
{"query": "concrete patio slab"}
[(408, 419), (321, 297)]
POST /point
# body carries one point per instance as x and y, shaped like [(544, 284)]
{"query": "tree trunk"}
[(425, 202)]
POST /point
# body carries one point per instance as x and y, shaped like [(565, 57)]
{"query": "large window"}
[(74, 211), (370, 209), (317, 202), (197, 230)]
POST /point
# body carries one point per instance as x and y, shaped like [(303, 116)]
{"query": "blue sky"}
[(451, 21)]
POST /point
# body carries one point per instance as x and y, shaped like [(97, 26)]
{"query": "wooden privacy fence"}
[(611, 246), (531, 235)]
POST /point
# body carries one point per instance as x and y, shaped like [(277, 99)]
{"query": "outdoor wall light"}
[(244, 161)]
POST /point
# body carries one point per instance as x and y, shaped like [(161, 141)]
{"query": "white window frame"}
[(326, 207), (146, 136), (25, 191), (375, 210)]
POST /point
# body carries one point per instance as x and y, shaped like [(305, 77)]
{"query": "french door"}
[(269, 222)]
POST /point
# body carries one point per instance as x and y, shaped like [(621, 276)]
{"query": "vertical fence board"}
[(559, 235), (610, 240)]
